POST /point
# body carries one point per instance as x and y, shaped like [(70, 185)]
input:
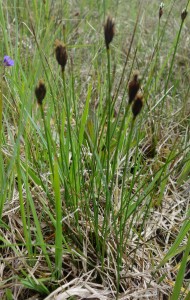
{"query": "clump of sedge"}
[(40, 92), (161, 10), (137, 104), (61, 54), (133, 87), (184, 14), (109, 31)]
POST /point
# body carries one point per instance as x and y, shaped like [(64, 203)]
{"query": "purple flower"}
[(8, 62)]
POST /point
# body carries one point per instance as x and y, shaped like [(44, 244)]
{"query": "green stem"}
[(58, 232), (47, 138), (122, 212), (108, 141), (108, 119), (175, 50), (75, 192), (173, 57), (22, 209)]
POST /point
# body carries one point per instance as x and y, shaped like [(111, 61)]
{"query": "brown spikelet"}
[(61, 54), (161, 10), (184, 14), (40, 92), (133, 87), (109, 31), (137, 105)]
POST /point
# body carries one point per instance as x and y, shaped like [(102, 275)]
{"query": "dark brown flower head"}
[(184, 14), (109, 31), (161, 10), (134, 86), (61, 54), (40, 92), (137, 105)]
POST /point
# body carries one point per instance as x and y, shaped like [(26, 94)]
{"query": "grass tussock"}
[(94, 179)]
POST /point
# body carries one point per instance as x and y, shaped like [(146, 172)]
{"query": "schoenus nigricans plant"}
[(133, 86), (184, 14), (109, 31), (137, 104), (161, 10), (61, 54), (40, 92)]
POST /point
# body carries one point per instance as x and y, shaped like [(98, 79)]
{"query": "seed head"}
[(137, 105), (40, 92), (133, 87), (109, 31), (61, 54), (184, 14), (161, 10)]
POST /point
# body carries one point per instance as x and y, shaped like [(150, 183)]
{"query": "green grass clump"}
[(94, 184)]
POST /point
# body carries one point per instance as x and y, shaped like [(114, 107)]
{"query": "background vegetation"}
[(94, 203)]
